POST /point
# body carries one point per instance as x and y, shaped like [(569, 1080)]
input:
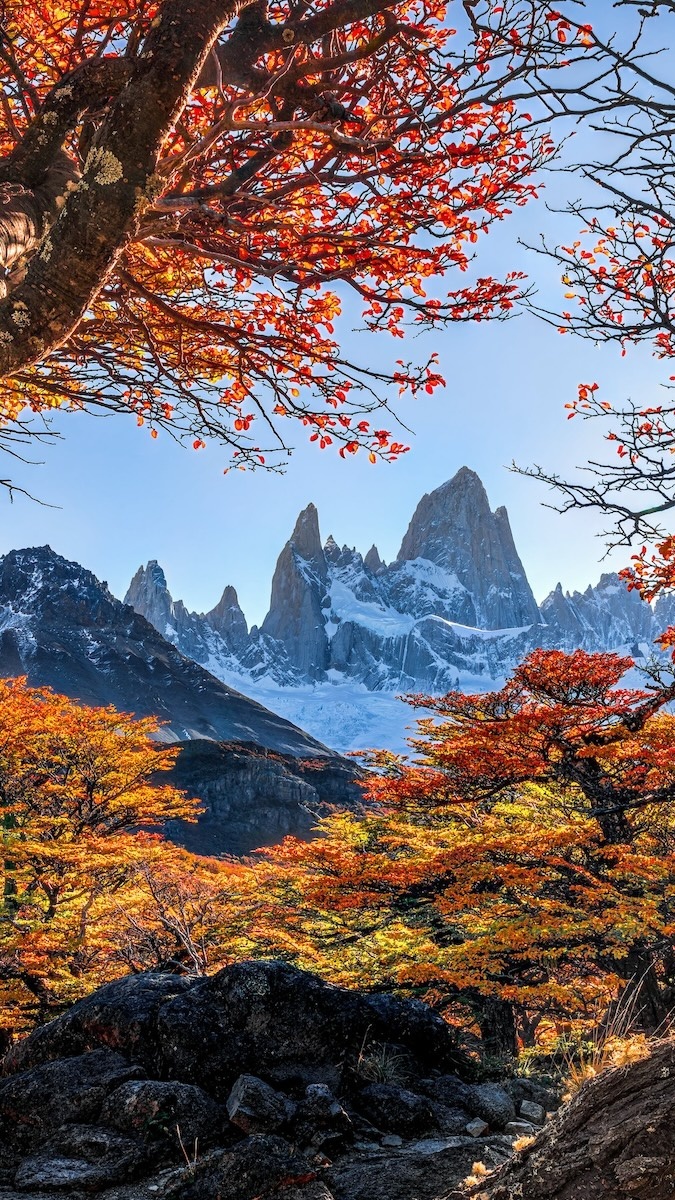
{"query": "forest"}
[(192, 194)]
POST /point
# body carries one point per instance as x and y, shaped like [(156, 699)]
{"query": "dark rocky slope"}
[(259, 1083)]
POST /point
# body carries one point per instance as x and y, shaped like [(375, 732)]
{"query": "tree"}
[(619, 284), (522, 867), (77, 788), (189, 190)]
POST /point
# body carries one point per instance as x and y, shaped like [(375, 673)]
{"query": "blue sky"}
[(123, 498)]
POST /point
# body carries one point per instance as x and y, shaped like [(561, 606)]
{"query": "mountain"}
[(61, 627), (344, 634)]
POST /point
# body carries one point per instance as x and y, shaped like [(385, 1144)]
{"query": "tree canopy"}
[(521, 868), (189, 191)]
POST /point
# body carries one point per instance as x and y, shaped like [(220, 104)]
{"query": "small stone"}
[(392, 1139), (520, 1129), (532, 1112), (366, 1147), (320, 1120), (477, 1127)]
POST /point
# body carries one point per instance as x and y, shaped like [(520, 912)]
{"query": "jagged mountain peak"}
[(454, 609), (149, 595), (60, 626), (306, 538), (454, 528), (372, 562), (228, 620), (331, 549), (36, 578)]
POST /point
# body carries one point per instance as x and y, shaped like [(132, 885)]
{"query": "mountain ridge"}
[(455, 599)]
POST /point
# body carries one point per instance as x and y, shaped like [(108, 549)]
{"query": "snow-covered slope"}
[(345, 634)]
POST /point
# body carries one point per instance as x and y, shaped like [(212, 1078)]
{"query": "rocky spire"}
[(149, 595), (372, 562), (295, 617), (454, 528), (228, 619)]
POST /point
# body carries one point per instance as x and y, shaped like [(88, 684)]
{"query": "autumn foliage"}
[(76, 786), (519, 873), (179, 230), (520, 870)]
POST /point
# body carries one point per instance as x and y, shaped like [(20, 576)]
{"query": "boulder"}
[(425, 1170), (164, 1114), (450, 1120), (493, 1103), (80, 1157), (520, 1129), (448, 1090), (477, 1127), (37, 1101), (535, 1113), (521, 1087), (393, 1109), (272, 1020), (260, 1166), (121, 1015), (255, 1107)]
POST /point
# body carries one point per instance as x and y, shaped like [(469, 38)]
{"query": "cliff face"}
[(254, 797)]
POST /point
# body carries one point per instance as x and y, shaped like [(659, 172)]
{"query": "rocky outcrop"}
[(606, 616), (254, 1084), (614, 1141)]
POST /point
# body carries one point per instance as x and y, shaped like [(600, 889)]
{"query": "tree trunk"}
[(614, 1141), (641, 1003), (498, 1028)]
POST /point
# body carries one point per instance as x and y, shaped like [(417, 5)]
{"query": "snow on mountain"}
[(345, 635)]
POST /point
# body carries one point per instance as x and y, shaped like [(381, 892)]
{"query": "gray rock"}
[(532, 1112), (493, 1103), (520, 1129), (321, 1121), (253, 1168), (272, 1020), (448, 1090), (156, 1111), (295, 617), (80, 1156), (37, 1101), (450, 1120), (477, 1127), (396, 1110), (411, 1173), (255, 1107), (454, 528), (122, 1013), (391, 1139), (523, 1087)]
